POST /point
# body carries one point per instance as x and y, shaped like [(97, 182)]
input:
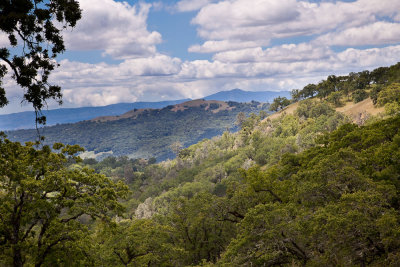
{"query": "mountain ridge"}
[(239, 95), (147, 133), (25, 120)]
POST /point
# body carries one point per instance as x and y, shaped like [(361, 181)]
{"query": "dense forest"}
[(310, 188), (146, 133)]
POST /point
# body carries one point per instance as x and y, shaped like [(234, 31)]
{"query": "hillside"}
[(307, 183), (26, 120), (147, 133), (303, 187), (354, 110), (351, 109), (238, 95), (206, 105)]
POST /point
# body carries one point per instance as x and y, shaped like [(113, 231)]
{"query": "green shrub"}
[(359, 95)]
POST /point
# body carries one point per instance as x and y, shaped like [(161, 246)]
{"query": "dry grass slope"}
[(354, 111)]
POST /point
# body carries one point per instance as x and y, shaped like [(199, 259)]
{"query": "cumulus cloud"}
[(163, 77), (101, 84), (117, 28), (245, 37), (244, 23), (283, 53), (378, 33), (224, 45)]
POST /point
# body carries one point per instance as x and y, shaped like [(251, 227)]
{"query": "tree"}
[(33, 33), (375, 92), (176, 147), (43, 205), (389, 94), (325, 87), (359, 95), (296, 95), (263, 114), (240, 118), (309, 90), (137, 242), (279, 103), (198, 228), (335, 98)]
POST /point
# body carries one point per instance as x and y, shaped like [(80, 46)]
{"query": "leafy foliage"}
[(359, 95), (279, 103), (43, 205), (356, 86)]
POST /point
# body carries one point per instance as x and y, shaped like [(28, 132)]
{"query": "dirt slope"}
[(354, 111)]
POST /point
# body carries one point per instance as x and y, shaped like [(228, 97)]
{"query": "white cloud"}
[(377, 33), (163, 77), (158, 65), (243, 23), (102, 84), (238, 33), (4, 42), (284, 53), (224, 45), (191, 5), (369, 58), (117, 28)]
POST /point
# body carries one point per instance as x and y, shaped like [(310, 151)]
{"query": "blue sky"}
[(126, 51)]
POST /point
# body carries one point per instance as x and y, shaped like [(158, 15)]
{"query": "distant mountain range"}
[(26, 120), (238, 95), (145, 133)]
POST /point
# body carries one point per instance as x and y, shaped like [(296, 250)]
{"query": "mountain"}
[(239, 95), (147, 133), (26, 120)]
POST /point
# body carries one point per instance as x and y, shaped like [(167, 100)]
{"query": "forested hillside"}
[(147, 133), (307, 188), (26, 120)]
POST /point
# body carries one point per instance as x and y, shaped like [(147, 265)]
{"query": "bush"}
[(335, 99), (389, 94), (359, 95), (392, 108)]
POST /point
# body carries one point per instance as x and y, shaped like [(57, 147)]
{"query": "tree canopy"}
[(46, 208)]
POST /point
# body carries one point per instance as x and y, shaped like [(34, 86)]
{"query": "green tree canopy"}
[(279, 103), (389, 94), (43, 205)]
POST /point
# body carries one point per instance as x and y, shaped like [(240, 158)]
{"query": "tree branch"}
[(47, 250), (236, 214), (277, 198), (120, 257), (11, 66), (72, 218)]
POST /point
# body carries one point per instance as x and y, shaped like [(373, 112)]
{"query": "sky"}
[(127, 51)]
